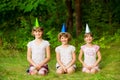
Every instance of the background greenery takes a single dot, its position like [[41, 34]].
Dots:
[[17, 17]]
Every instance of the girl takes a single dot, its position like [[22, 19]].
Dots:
[[38, 53], [65, 55], [90, 64]]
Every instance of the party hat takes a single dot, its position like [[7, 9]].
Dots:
[[87, 29], [36, 23], [63, 28]]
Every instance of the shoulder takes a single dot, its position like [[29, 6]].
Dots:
[[83, 46], [46, 42], [30, 43], [57, 49], [71, 46], [96, 47]]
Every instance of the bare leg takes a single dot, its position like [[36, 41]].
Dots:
[[33, 71], [70, 70], [93, 71], [43, 71], [86, 70], [60, 70]]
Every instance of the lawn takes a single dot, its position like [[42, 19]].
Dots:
[[13, 65]]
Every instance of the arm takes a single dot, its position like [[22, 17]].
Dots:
[[99, 58], [80, 58], [73, 60], [59, 61], [29, 59]]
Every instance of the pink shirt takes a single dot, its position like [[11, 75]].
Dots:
[[90, 54]]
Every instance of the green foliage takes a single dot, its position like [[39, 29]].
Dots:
[[106, 39], [23, 35], [52, 36], [18, 38], [18, 16]]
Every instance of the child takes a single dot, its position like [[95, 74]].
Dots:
[[38, 52], [65, 54], [90, 64]]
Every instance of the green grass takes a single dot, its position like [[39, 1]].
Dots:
[[13, 65]]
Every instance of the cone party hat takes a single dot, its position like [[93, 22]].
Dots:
[[36, 23], [63, 28], [87, 29]]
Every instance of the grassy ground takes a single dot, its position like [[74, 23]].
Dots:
[[13, 65]]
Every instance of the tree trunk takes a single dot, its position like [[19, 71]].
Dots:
[[69, 22], [109, 11], [78, 17], [0, 41]]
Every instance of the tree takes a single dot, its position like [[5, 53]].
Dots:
[[70, 15], [78, 17]]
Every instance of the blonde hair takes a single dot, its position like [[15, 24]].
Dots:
[[37, 29], [66, 34]]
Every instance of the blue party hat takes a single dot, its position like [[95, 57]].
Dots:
[[63, 28], [87, 29]]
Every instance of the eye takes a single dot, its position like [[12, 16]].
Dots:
[[35, 31], [62, 38], [39, 31]]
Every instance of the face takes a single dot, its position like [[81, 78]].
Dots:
[[88, 39], [64, 40], [38, 34]]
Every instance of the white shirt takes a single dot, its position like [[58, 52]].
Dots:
[[65, 54], [38, 50], [90, 54]]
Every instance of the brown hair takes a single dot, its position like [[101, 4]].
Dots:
[[66, 34], [87, 34], [37, 29]]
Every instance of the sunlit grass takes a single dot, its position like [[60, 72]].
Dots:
[[13, 65]]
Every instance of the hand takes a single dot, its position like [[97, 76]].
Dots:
[[88, 67], [38, 67], [65, 69], [84, 65], [94, 65]]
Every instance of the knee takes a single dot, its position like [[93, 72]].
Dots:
[[87, 71], [70, 70], [42, 72], [93, 71], [33, 72], [59, 72]]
